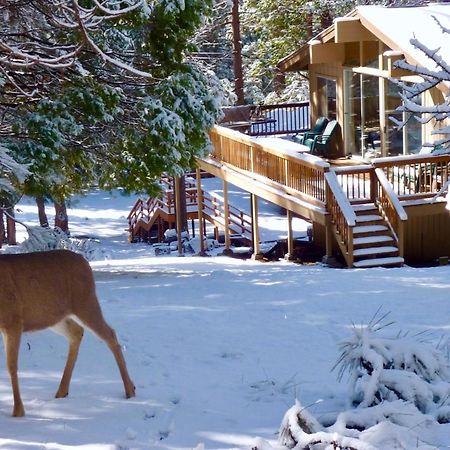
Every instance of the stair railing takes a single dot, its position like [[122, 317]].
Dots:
[[342, 216], [391, 208], [238, 222]]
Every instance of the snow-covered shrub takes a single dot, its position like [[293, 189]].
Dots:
[[45, 239], [193, 245], [390, 368], [399, 385]]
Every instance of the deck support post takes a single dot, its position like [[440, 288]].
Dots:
[[226, 212], [255, 228], [201, 234], [328, 237], [290, 238], [178, 218]]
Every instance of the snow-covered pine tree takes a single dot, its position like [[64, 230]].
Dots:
[[102, 92]]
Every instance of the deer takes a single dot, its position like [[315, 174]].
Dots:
[[56, 290]]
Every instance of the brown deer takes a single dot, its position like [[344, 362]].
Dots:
[[53, 289]]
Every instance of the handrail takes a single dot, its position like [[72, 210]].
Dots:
[[341, 199], [239, 222], [393, 199], [301, 174], [391, 208], [342, 215]]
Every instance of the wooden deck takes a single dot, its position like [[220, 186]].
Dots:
[[373, 214]]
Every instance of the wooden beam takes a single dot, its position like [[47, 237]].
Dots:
[[290, 238], [201, 236], [350, 29], [391, 58], [226, 208], [326, 53], [255, 228], [266, 190]]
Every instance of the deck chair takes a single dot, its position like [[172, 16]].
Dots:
[[318, 128], [320, 144]]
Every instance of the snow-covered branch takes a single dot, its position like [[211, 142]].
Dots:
[[432, 78]]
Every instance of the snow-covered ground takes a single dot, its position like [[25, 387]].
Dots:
[[218, 348]]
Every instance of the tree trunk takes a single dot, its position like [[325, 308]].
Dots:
[[61, 218], [2, 228], [43, 220], [11, 227], [237, 54]]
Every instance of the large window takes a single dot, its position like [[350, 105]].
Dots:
[[408, 139], [369, 130], [326, 88]]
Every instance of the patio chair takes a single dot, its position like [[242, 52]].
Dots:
[[320, 144], [318, 128]]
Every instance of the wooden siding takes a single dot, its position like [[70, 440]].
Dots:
[[427, 233]]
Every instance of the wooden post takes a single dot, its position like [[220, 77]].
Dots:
[[11, 228], [290, 238], [226, 212], [328, 237], [255, 228], [178, 217], [201, 236]]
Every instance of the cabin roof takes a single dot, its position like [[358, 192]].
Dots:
[[393, 26]]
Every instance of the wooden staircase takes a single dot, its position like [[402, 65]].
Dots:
[[373, 240], [151, 218]]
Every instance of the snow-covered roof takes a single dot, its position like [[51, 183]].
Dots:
[[397, 26], [393, 26]]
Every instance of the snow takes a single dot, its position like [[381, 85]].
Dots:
[[219, 348], [400, 25]]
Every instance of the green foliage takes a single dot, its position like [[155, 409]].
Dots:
[[126, 109], [171, 28]]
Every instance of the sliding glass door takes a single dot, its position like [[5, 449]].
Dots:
[[370, 103]]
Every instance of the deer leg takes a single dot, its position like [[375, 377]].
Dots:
[[11, 339], [74, 333], [95, 322]]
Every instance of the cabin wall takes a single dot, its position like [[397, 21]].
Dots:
[[427, 233], [433, 97]]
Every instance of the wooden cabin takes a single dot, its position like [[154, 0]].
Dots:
[[350, 67], [383, 204]]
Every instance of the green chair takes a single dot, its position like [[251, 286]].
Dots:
[[320, 144], [318, 128]]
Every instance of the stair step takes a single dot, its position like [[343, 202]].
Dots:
[[372, 239], [369, 218], [374, 250], [390, 261], [364, 208], [369, 229]]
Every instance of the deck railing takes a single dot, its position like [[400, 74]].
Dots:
[[342, 216], [356, 182], [287, 118], [213, 207], [298, 172], [415, 176]]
